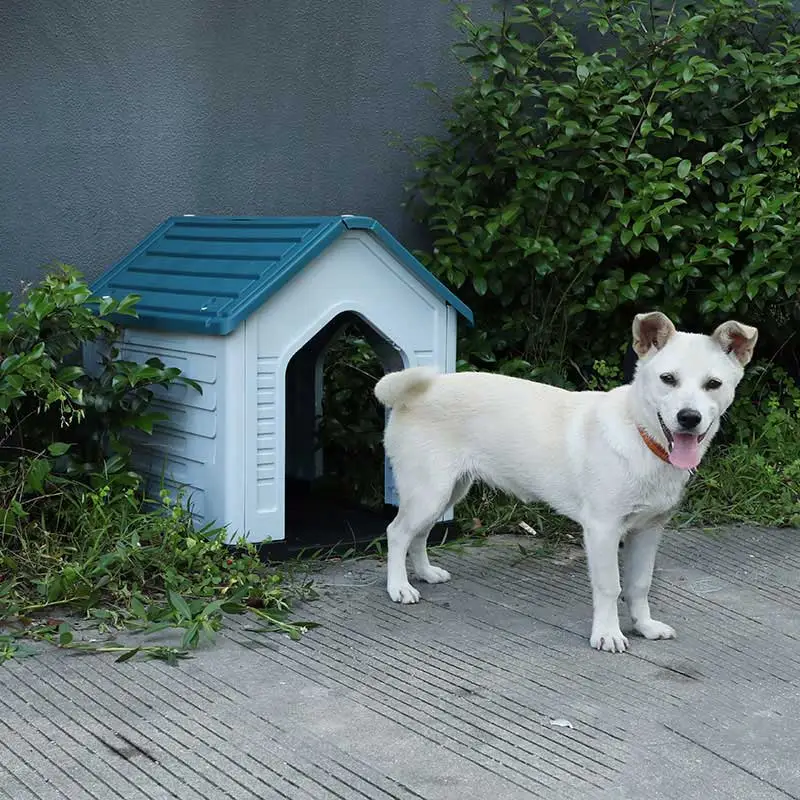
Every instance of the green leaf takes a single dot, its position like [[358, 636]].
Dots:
[[500, 62], [107, 305], [191, 635], [180, 606], [64, 635], [115, 464], [510, 214], [38, 471], [684, 168], [69, 374], [570, 92], [127, 655], [479, 282], [138, 609], [58, 448]]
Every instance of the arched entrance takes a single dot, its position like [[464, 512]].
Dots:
[[337, 481]]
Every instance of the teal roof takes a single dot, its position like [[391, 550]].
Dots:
[[208, 274]]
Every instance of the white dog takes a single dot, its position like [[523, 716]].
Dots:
[[615, 462]]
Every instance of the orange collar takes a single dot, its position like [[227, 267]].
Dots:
[[653, 446]]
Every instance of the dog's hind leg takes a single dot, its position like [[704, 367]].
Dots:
[[409, 531], [640, 558], [418, 548], [398, 537]]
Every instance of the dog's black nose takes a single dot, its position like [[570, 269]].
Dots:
[[688, 418]]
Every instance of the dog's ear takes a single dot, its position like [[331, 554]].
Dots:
[[734, 337], [651, 330]]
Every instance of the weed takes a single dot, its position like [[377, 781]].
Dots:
[[486, 511], [126, 565], [77, 532]]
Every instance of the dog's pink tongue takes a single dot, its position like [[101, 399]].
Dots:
[[685, 452]]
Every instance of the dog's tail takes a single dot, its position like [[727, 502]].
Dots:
[[397, 388]]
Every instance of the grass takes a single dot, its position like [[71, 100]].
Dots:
[[742, 486], [487, 512], [102, 556]]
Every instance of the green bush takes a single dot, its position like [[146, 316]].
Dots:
[[48, 401], [76, 530], [612, 157]]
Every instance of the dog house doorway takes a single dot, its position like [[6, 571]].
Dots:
[[336, 478]]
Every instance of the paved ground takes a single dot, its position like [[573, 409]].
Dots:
[[450, 700]]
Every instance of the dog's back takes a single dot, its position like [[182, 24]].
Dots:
[[513, 434]]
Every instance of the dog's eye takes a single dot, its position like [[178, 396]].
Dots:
[[669, 379], [712, 383]]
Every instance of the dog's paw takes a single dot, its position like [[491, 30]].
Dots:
[[611, 641], [653, 629], [403, 593], [434, 575]]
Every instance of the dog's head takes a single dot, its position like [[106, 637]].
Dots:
[[685, 382]]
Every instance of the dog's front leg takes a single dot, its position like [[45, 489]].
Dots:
[[602, 543], [640, 558]]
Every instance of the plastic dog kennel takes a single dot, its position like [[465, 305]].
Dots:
[[246, 306]]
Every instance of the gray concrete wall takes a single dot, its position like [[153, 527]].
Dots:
[[117, 113]]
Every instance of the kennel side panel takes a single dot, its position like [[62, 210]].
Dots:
[[184, 453]]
